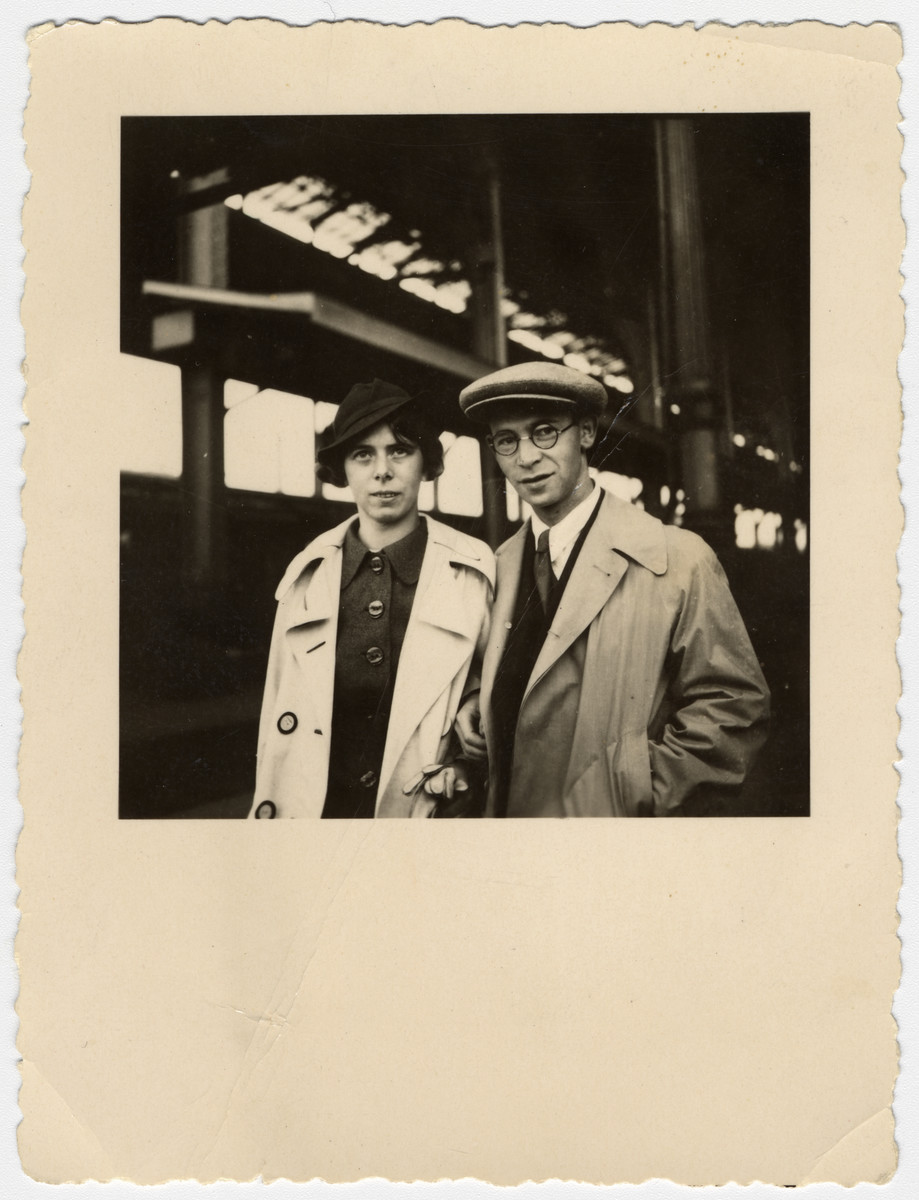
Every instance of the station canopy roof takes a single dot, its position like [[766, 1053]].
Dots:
[[386, 212]]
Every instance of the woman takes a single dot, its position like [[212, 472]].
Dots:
[[380, 626]]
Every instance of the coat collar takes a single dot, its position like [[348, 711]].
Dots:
[[462, 550], [324, 546], [404, 556], [620, 533], [633, 532], [619, 527], [436, 602]]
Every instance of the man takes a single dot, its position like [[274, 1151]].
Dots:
[[379, 623], [618, 679]]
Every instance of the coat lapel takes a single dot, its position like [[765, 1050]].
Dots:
[[317, 599], [596, 575], [309, 612], [509, 560], [441, 635], [619, 533]]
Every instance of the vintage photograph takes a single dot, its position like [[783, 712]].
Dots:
[[467, 465], [479, 424]]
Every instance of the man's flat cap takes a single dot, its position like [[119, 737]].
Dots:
[[533, 381]]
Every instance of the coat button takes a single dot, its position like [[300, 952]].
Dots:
[[376, 564], [287, 722], [375, 608], [374, 656], [266, 810], [368, 779]]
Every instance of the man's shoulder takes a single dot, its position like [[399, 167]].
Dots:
[[661, 547], [684, 547], [640, 535]]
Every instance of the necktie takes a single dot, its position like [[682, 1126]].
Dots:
[[542, 568]]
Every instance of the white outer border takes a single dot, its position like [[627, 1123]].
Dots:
[[16, 17]]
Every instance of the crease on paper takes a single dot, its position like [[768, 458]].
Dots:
[[268, 1028], [866, 1154], [76, 1141], [276, 1019]]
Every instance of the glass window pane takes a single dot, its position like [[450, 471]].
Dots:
[[459, 489], [250, 447], [513, 503], [330, 492], [626, 487], [235, 391], [269, 443], [325, 414], [151, 411], [297, 445], [427, 497], [745, 529]]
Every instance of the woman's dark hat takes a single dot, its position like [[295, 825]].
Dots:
[[365, 406], [532, 382]]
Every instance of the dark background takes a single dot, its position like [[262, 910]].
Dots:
[[584, 234]]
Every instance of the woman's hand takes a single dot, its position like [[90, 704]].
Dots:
[[448, 783], [449, 786], [461, 797]]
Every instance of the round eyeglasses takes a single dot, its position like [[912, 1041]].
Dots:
[[543, 436]]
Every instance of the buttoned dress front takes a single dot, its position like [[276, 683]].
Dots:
[[377, 593], [444, 639]]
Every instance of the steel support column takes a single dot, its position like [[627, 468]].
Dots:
[[202, 475], [685, 326], [202, 236], [489, 340]]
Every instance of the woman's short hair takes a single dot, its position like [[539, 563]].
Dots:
[[409, 427]]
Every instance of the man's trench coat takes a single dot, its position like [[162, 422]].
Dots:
[[647, 693], [443, 645]]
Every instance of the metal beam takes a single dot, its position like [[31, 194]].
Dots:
[[334, 316]]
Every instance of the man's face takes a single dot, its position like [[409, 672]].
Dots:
[[550, 478], [384, 476]]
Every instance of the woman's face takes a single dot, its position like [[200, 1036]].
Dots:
[[384, 476]]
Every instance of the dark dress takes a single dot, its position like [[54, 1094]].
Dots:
[[377, 591]]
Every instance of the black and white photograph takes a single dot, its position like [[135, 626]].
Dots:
[[384, 370], [464, 425]]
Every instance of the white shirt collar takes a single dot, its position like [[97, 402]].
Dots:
[[563, 535]]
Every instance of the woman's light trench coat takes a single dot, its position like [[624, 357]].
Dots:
[[444, 640]]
